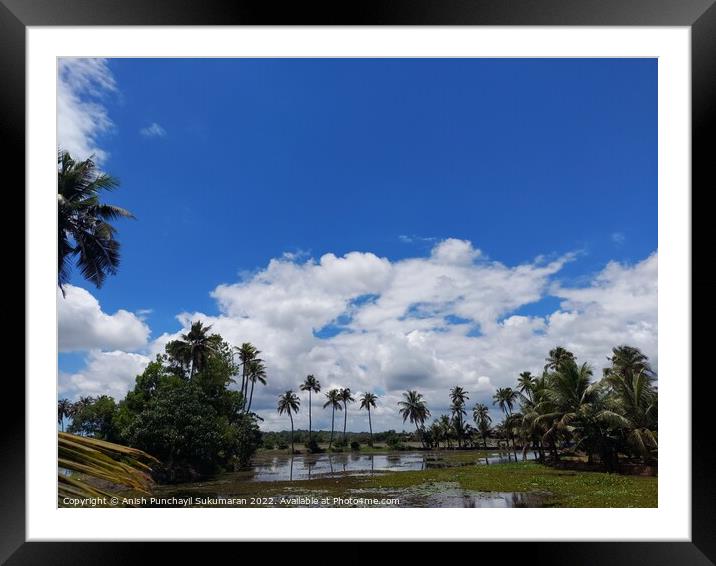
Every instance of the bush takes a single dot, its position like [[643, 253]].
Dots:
[[281, 445], [313, 447], [394, 443], [355, 446], [268, 443]]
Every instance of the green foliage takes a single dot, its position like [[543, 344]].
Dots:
[[615, 416], [355, 446], [181, 411], [96, 418], [394, 441], [85, 235]]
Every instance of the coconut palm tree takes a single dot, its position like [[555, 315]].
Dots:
[[247, 354], [289, 403], [256, 372], [310, 384], [194, 348], [367, 400], [346, 397], [505, 397], [557, 357], [630, 380], [458, 397], [64, 410], [526, 384], [85, 234], [568, 393], [629, 361], [481, 416], [446, 429], [415, 409], [334, 401]]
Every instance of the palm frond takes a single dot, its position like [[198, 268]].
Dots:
[[106, 461]]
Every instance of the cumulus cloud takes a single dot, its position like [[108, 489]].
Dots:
[[153, 130], [427, 323], [82, 325], [82, 87], [105, 373]]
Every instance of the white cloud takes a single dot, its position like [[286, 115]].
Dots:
[[82, 85], [427, 323], [82, 325], [105, 373], [153, 130]]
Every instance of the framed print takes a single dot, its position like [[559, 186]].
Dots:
[[408, 272]]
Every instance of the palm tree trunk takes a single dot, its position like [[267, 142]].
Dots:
[[251, 397], [333, 419], [291, 417], [370, 427], [309, 415], [243, 381], [345, 420], [246, 388]]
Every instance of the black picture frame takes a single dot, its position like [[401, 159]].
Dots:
[[699, 15]]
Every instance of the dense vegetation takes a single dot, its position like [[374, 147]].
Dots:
[[181, 409], [564, 410]]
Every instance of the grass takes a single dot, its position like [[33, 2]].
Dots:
[[566, 488]]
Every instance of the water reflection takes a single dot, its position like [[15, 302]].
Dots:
[[461, 498], [267, 467]]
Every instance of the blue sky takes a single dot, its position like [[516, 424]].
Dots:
[[230, 163]]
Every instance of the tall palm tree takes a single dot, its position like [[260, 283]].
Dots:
[[64, 410], [630, 380], [256, 372], [334, 401], [289, 403], [415, 409], [83, 221], [195, 347], [367, 400], [557, 357], [346, 397], [481, 416], [311, 384], [458, 397], [629, 361], [446, 429], [526, 384], [505, 397], [569, 394], [247, 354]]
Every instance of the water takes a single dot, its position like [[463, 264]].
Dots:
[[457, 497], [267, 467], [261, 480]]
